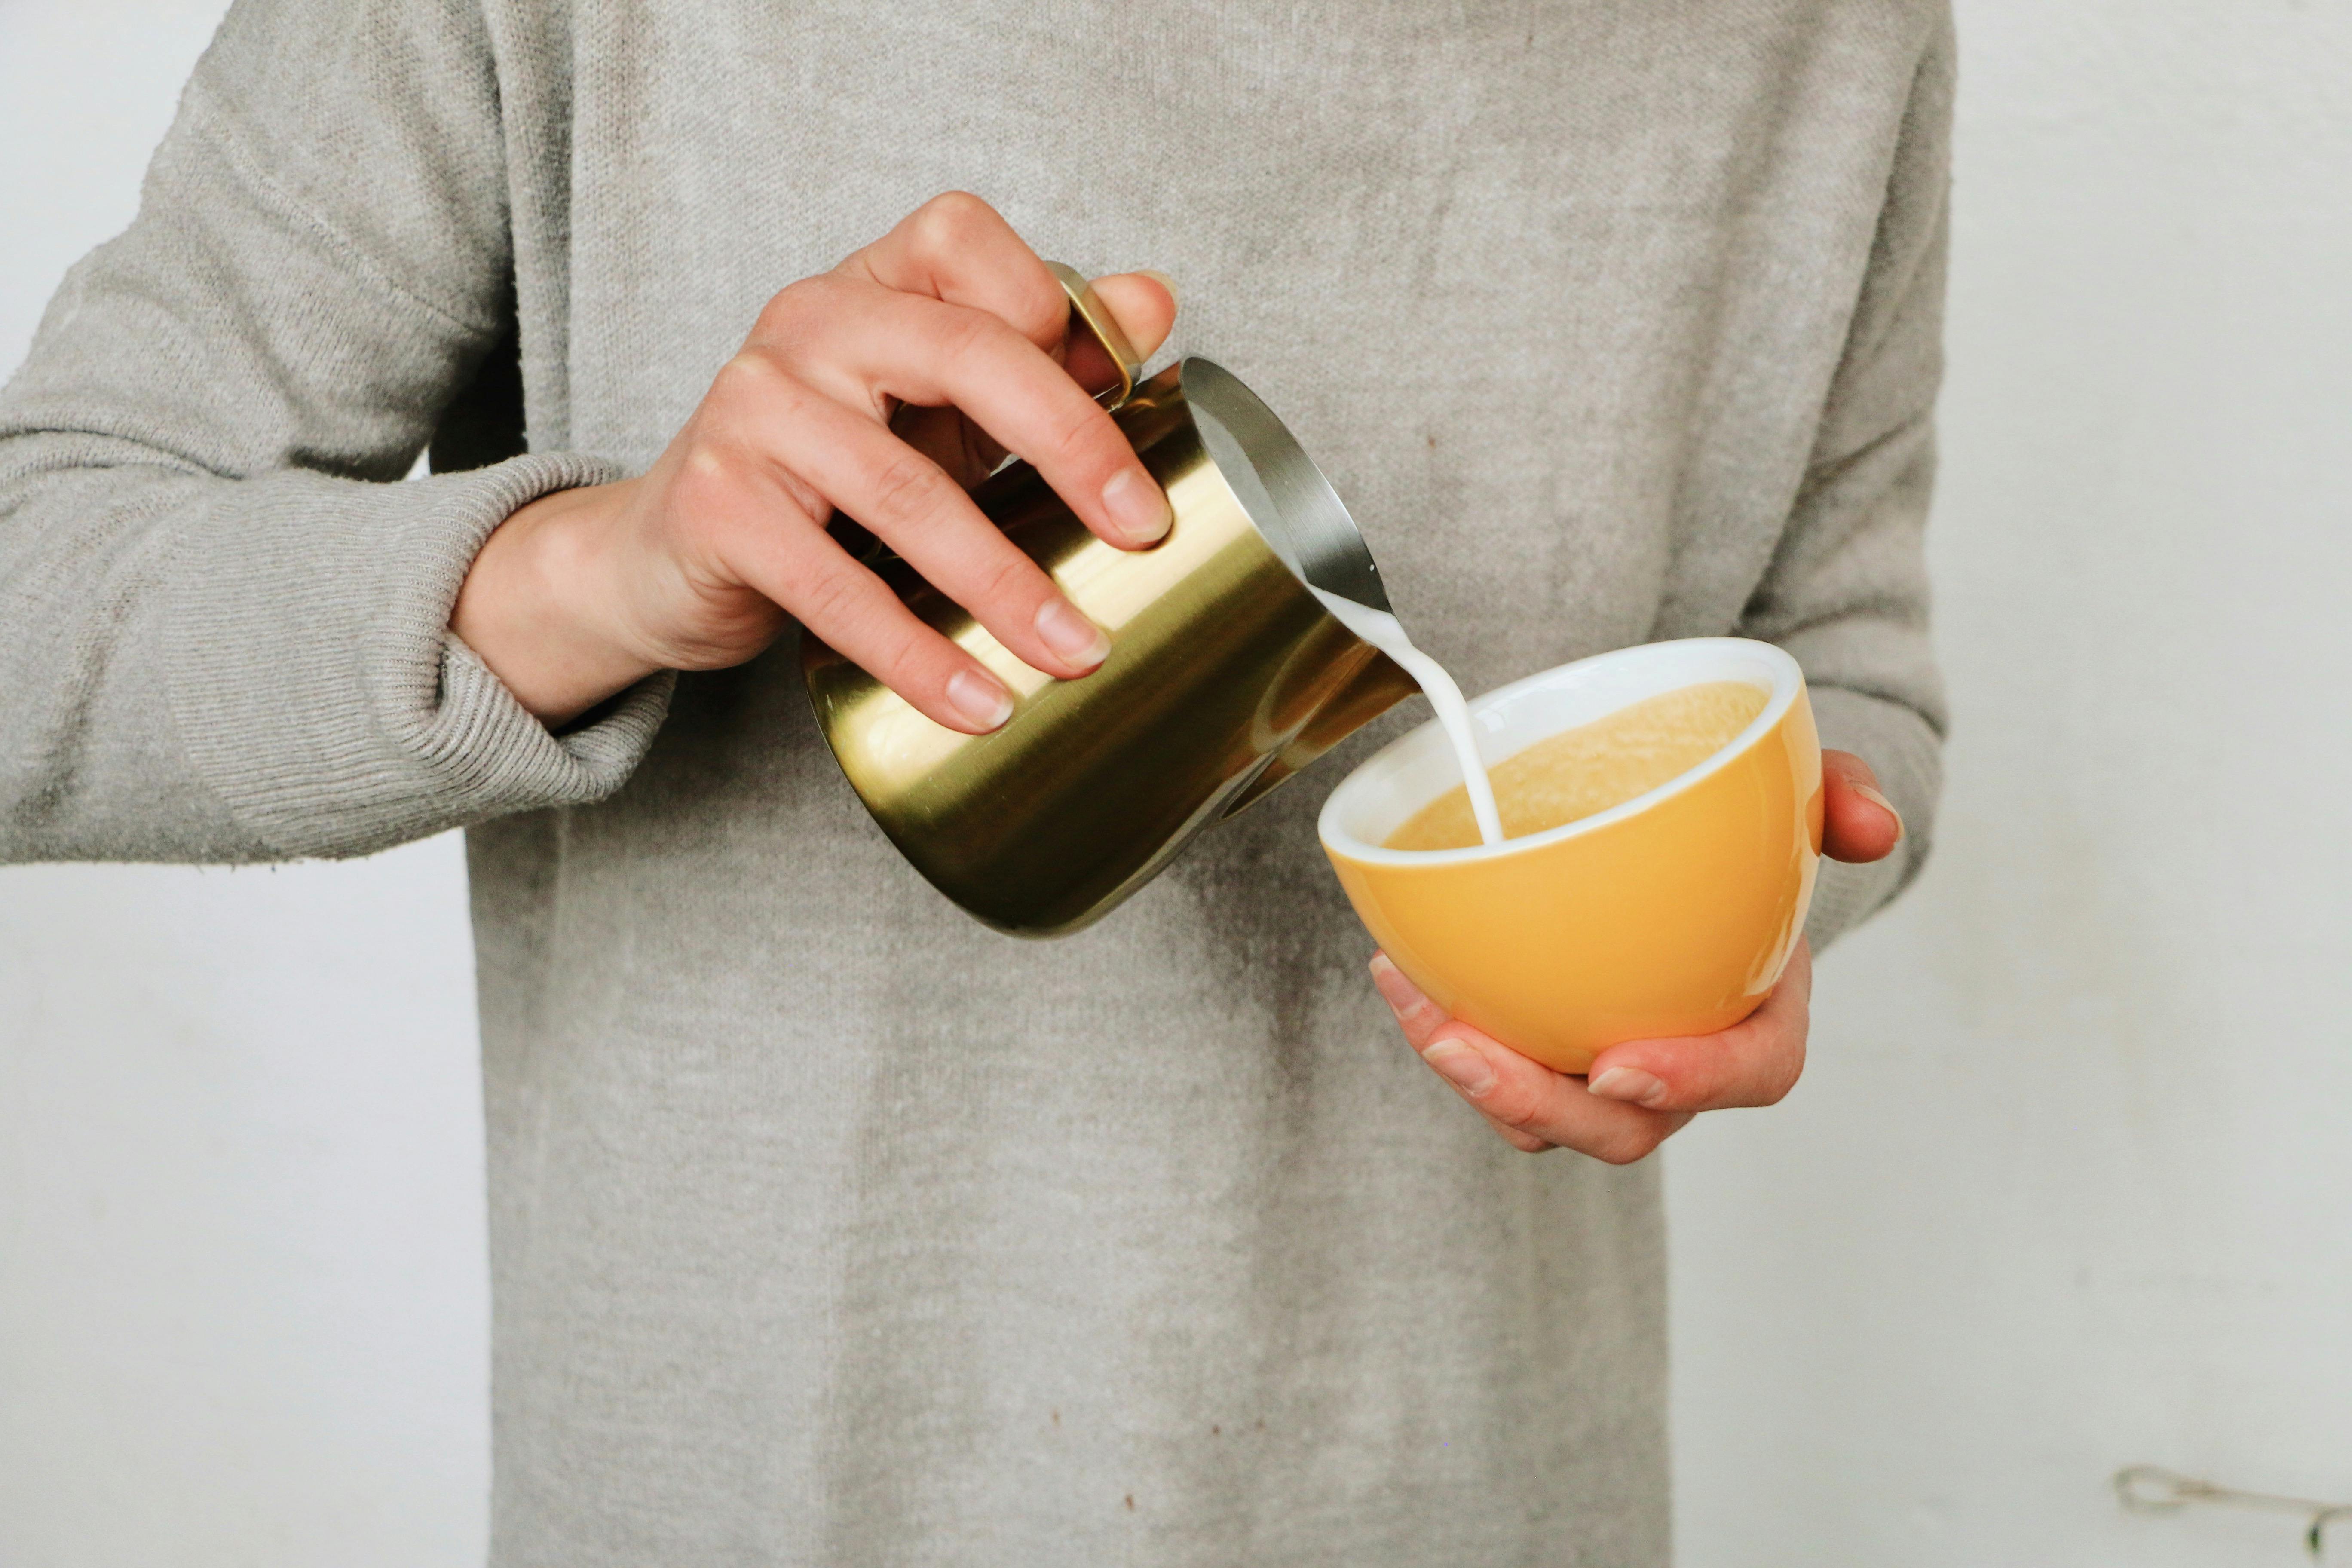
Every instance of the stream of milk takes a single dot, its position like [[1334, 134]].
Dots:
[[1386, 633]]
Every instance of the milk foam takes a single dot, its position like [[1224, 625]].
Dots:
[[1591, 767]]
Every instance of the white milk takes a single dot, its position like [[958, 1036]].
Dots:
[[1386, 633]]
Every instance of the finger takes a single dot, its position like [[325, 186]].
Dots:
[[928, 518], [878, 343], [1529, 1105], [948, 439], [1755, 1062], [1528, 1102], [908, 501], [759, 519], [1416, 1015], [956, 248], [1144, 304], [1858, 822], [1525, 1142]]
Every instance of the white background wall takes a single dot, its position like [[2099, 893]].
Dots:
[[2069, 1181]]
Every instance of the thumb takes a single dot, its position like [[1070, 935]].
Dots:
[[1858, 822], [1144, 304]]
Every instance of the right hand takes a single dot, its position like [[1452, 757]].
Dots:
[[1638, 1093], [698, 563]]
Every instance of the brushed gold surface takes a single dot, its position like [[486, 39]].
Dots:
[[1225, 676]]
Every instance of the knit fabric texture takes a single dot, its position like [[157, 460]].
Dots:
[[829, 1227]]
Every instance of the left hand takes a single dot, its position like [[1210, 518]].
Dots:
[[1638, 1094]]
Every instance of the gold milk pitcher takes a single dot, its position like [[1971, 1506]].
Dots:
[[1225, 676]]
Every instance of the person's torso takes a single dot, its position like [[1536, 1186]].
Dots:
[[832, 1227]]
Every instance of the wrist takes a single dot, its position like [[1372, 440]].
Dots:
[[534, 607]]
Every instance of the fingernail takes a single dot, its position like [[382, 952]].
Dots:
[[978, 699], [1631, 1085], [1062, 628], [1175, 294], [1138, 506], [1871, 795], [1390, 981], [1461, 1066]]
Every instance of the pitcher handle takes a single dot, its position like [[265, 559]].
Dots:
[[1099, 358]]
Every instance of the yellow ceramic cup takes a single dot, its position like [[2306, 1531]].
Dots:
[[1670, 914]]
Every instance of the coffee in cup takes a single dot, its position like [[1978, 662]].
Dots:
[[1581, 771], [1668, 911]]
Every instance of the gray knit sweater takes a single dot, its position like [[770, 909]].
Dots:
[[828, 1226]]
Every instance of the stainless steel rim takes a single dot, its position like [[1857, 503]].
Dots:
[[1286, 495]]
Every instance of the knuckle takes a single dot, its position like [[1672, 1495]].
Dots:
[[965, 335], [795, 325], [753, 374], [781, 310], [1511, 1107], [950, 219], [712, 473], [907, 489], [898, 653], [1086, 440], [831, 603], [1627, 1146], [786, 315], [1005, 576]]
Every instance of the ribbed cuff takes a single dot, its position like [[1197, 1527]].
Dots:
[[1909, 759], [318, 688]]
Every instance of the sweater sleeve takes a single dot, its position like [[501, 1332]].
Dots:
[[1847, 590], [222, 623]]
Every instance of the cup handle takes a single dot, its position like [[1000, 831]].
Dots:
[[1099, 358]]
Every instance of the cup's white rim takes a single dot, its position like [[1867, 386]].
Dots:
[[1788, 681]]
